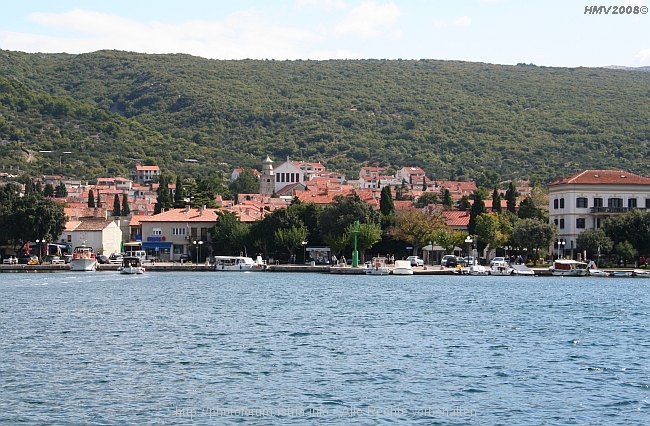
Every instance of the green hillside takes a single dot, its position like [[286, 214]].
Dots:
[[454, 119]]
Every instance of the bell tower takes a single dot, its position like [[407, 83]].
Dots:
[[267, 179]]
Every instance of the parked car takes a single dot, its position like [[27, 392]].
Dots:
[[28, 260], [415, 261], [67, 258], [115, 258], [497, 259], [184, 258], [449, 261], [103, 259], [466, 261]]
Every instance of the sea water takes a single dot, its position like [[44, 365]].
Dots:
[[300, 348]]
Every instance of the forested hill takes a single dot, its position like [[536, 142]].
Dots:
[[454, 119]]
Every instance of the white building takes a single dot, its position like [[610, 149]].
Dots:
[[288, 173], [103, 235], [583, 201]]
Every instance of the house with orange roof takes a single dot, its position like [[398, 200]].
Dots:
[[584, 200], [103, 235], [410, 175], [171, 233], [145, 174]]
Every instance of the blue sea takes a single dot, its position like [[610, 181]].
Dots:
[[301, 348]]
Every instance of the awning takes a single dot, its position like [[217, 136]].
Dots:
[[157, 245]]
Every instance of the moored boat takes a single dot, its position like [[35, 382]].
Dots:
[[377, 267], [569, 268], [238, 264], [501, 267], [403, 267], [131, 265], [83, 259]]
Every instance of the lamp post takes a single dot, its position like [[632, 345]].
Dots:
[[40, 249], [469, 242], [304, 252], [197, 247], [560, 248]]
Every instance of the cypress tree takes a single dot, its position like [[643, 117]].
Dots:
[[91, 199], [117, 209], [126, 210], [496, 201]]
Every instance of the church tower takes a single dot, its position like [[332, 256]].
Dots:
[[267, 179]]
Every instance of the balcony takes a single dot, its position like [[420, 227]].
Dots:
[[613, 210]]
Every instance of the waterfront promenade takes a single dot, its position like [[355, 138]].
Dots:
[[201, 267]]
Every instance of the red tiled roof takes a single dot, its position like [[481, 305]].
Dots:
[[147, 168], [603, 177], [456, 218], [183, 215]]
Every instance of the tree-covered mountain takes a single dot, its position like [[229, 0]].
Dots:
[[454, 119]]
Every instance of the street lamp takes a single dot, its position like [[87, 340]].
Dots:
[[304, 251], [560, 248], [469, 242], [40, 249], [197, 246]]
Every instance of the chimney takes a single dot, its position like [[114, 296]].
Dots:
[[187, 208], [202, 210]]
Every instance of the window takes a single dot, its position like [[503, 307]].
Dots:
[[598, 202], [156, 231], [555, 203], [615, 202], [555, 222], [561, 203], [581, 202], [561, 223], [631, 203], [178, 231], [597, 223], [580, 223]]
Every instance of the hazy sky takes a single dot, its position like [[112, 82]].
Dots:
[[543, 32]]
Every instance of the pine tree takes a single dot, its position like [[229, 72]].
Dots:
[[126, 210], [61, 190], [91, 199], [48, 190], [117, 209], [98, 202]]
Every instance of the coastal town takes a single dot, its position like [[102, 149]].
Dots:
[[182, 234]]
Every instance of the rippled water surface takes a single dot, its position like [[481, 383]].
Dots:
[[315, 348]]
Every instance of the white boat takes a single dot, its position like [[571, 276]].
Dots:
[[477, 270], [598, 273], [131, 265], [501, 267], [568, 268], [83, 259], [377, 267], [522, 270], [238, 263], [641, 273], [403, 267], [620, 274]]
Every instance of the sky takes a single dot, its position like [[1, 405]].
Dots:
[[556, 33]]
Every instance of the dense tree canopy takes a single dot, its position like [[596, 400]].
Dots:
[[196, 116]]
